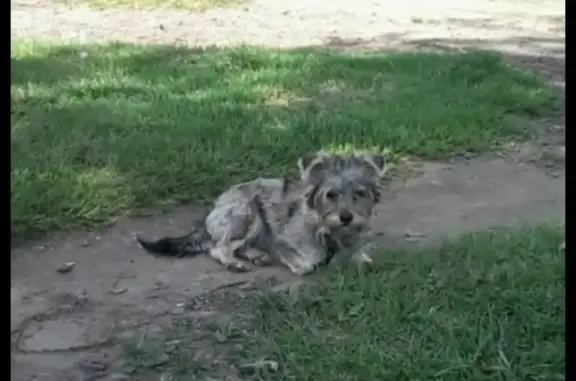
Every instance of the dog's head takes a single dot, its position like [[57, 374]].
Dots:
[[343, 189]]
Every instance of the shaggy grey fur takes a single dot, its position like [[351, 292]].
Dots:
[[301, 223]]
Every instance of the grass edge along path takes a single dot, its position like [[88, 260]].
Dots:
[[484, 306], [101, 130]]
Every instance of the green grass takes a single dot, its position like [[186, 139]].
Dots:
[[101, 130], [146, 5], [486, 306]]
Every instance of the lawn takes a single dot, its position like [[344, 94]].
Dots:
[[102, 130], [488, 306]]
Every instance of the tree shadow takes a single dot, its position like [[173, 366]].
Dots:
[[100, 130], [544, 55]]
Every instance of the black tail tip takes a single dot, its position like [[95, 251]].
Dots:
[[151, 246]]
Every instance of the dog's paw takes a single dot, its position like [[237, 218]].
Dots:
[[237, 267], [263, 261], [362, 260], [304, 270]]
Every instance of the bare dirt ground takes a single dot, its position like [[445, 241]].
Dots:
[[66, 326]]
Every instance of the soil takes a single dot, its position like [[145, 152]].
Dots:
[[67, 318]]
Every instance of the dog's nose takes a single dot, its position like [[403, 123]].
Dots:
[[346, 217]]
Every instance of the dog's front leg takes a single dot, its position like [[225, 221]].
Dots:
[[300, 259], [356, 251]]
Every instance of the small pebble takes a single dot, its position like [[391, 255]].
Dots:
[[410, 234], [179, 309], [118, 291], [65, 267]]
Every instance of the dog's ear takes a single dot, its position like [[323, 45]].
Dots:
[[376, 164], [312, 167], [311, 194]]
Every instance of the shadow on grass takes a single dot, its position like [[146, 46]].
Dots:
[[543, 55], [101, 130]]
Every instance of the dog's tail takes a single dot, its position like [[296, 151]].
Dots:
[[192, 244]]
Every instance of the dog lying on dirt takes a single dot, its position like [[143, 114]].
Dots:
[[301, 223]]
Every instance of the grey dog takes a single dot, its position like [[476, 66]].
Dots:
[[301, 223]]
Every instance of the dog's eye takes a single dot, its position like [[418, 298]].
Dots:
[[360, 194], [331, 195]]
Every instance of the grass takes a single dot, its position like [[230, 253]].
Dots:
[[486, 306], [147, 5], [101, 130]]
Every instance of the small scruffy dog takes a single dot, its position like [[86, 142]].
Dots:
[[301, 223]]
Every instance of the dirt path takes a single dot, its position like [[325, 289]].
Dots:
[[65, 326]]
